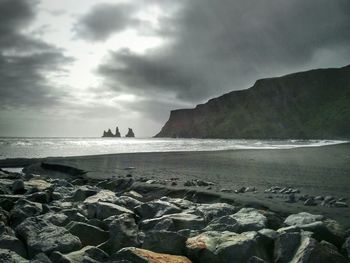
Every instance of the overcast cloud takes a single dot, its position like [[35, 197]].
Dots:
[[134, 61]]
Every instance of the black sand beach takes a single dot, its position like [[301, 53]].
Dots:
[[315, 171]]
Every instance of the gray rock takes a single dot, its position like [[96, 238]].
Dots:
[[116, 185], [8, 256], [88, 234], [165, 242], [88, 254], [215, 210], [41, 258], [24, 209], [286, 244], [302, 219], [346, 247], [82, 193], [128, 202], [179, 202], [156, 208], [18, 187], [39, 197], [102, 196], [42, 236], [340, 204], [179, 221], [225, 223], [123, 232], [250, 219], [58, 219], [14, 244], [224, 246], [104, 210], [310, 202]]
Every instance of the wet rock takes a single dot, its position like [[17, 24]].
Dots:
[[18, 187], [88, 254], [88, 234], [8, 256], [123, 232], [250, 219], [24, 209], [224, 246], [156, 208], [14, 244], [137, 255], [42, 236], [165, 242], [215, 210]]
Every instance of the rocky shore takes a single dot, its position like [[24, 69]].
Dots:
[[135, 219]]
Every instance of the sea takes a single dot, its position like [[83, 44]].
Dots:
[[11, 147]]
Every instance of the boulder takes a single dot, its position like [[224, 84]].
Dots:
[[42, 236], [18, 187], [88, 234], [14, 244], [116, 185], [123, 232], [8, 256], [137, 255], [225, 223], [82, 193], [286, 245], [128, 202], [58, 219], [250, 219], [165, 242], [302, 219], [88, 254], [215, 210], [24, 209], [103, 196], [177, 221], [104, 210], [220, 247], [39, 197], [156, 208]]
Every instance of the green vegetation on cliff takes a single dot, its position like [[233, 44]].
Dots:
[[313, 104]]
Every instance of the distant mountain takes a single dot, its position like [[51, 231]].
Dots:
[[312, 104]]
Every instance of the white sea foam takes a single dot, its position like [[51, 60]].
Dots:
[[44, 147]]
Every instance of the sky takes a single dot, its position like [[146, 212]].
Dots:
[[76, 68]]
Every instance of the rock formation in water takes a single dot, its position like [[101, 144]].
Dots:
[[130, 133], [109, 133], [312, 104]]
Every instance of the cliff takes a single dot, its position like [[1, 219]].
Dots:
[[109, 133], [311, 104], [130, 134]]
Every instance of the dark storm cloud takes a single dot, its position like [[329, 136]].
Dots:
[[218, 47], [25, 61], [105, 19]]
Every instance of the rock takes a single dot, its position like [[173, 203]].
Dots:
[[104, 210], [179, 202], [255, 259], [128, 202], [310, 202], [88, 254], [103, 196], [165, 242], [130, 133], [41, 258], [7, 202], [137, 255], [82, 193], [302, 219], [346, 247], [340, 204], [216, 247], [74, 215], [58, 219], [225, 223], [14, 244], [178, 221], [215, 210], [39, 197], [250, 219], [18, 187], [116, 185], [8, 256], [123, 232], [156, 208], [286, 245], [42, 236], [24, 209], [88, 234]]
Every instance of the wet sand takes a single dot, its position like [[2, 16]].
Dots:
[[315, 171]]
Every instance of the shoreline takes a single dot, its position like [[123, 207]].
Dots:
[[314, 171]]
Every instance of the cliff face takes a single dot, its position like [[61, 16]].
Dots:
[[312, 104]]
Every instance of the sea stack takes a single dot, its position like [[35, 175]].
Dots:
[[109, 133], [130, 133]]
